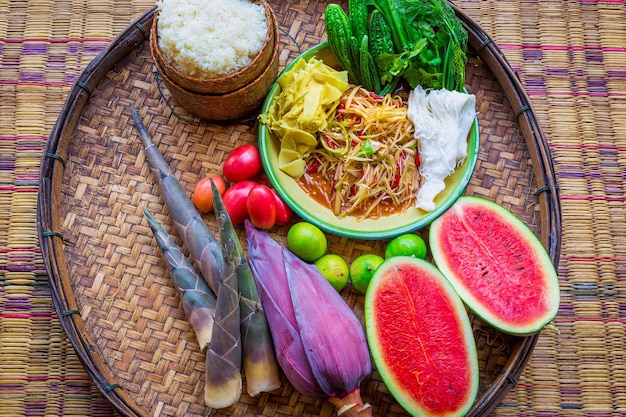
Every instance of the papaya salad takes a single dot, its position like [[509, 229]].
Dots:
[[365, 155], [367, 163], [379, 132]]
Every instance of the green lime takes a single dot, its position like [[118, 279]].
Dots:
[[335, 270], [362, 269], [408, 244], [306, 241]]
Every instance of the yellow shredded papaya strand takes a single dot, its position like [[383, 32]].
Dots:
[[369, 172]]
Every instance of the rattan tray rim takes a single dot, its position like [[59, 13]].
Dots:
[[137, 33]]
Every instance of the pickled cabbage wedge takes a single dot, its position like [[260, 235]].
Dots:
[[310, 93]]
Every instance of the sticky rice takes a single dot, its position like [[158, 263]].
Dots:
[[210, 38]]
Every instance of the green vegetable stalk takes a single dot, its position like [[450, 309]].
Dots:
[[223, 358], [259, 360], [421, 41], [199, 240], [429, 41], [197, 299], [393, 11]]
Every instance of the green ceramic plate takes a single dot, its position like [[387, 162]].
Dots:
[[308, 209]]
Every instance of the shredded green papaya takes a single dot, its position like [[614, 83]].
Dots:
[[376, 169]]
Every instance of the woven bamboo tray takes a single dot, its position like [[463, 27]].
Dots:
[[110, 287]]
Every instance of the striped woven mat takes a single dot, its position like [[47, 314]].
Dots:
[[570, 55]]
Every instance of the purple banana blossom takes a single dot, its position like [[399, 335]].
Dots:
[[267, 264], [320, 343]]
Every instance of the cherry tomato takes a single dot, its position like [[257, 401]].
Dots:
[[243, 163], [203, 193], [283, 211], [235, 200], [261, 205]]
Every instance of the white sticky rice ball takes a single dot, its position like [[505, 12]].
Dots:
[[210, 38]]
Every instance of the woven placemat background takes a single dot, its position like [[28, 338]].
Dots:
[[571, 56]]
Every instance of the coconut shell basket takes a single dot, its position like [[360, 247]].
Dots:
[[110, 287]]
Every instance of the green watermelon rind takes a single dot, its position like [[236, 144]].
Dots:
[[550, 279], [404, 398]]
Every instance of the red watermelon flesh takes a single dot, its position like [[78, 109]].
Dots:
[[421, 339], [496, 264]]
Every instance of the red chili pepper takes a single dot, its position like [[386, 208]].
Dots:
[[376, 97], [313, 167], [400, 165], [329, 143], [417, 159], [396, 181]]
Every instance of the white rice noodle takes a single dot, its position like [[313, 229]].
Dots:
[[442, 121]]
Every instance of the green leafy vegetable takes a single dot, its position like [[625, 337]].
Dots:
[[429, 41]]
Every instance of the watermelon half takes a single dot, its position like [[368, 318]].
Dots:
[[496, 264], [420, 338]]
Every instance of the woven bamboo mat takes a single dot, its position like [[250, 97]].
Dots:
[[571, 56]]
